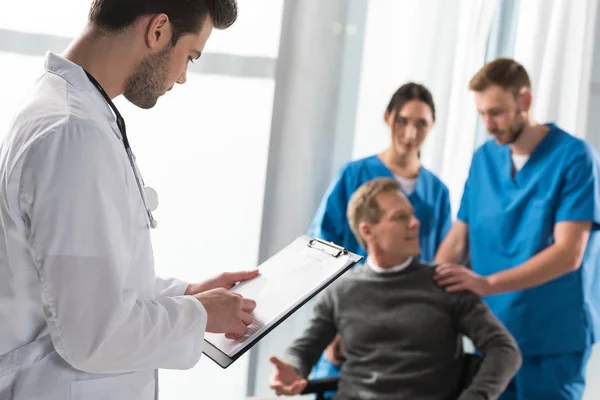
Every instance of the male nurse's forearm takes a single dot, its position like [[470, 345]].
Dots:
[[564, 256], [552, 263]]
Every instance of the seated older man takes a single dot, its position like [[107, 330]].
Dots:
[[400, 331]]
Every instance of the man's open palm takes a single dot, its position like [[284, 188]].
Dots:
[[286, 380]]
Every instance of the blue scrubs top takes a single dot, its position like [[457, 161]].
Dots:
[[512, 219], [431, 201]]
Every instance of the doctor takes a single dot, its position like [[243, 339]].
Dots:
[[82, 315], [530, 215]]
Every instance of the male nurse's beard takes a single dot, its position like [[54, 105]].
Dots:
[[147, 83], [517, 133]]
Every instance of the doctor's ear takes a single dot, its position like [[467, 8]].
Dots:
[[158, 31]]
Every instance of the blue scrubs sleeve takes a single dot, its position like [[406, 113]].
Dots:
[[580, 197], [330, 218], [463, 211]]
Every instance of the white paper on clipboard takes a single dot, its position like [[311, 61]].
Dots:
[[288, 279]]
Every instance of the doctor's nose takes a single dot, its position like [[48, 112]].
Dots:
[[182, 78]]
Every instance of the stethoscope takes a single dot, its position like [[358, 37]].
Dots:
[[149, 195]]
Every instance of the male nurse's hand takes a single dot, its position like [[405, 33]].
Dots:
[[226, 280], [227, 312], [286, 380], [456, 278]]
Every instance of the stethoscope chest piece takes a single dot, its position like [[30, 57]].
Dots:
[[151, 198]]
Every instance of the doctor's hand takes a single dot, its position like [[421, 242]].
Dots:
[[226, 280], [286, 380], [227, 312], [456, 278]]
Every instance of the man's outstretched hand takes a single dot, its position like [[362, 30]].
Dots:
[[286, 380]]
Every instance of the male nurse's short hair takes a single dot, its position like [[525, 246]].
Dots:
[[363, 204], [503, 72], [186, 16]]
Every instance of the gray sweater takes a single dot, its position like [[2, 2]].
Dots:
[[401, 337]]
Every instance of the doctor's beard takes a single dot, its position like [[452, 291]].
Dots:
[[147, 83]]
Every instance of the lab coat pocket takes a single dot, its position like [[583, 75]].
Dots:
[[132, 386]]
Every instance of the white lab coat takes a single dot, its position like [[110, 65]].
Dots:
[[82, 315]]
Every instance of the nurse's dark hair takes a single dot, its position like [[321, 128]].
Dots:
[[186, 16], [363, 205], [503, 72], [409, 92]]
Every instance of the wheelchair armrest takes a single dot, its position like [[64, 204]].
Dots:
[[321, 386]]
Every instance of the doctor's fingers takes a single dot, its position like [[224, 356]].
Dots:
[[248, 305], [240, 330], [246, 318], [240, 276], [236, 332]]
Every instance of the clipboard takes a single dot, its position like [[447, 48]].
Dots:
[[287, 281]]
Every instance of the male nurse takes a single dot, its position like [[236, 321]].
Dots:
[[529, 217]]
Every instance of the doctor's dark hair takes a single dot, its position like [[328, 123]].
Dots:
[[363, 204], [186, 16], [409, 92], [503, 72]]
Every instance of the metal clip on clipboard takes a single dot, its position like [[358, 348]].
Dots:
[[328, 247]]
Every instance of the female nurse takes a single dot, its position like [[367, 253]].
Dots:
[[410, 116]]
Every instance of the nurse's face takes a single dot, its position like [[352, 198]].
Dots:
[[502, 113], [409, 126], [396, 235], [158, 72]]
